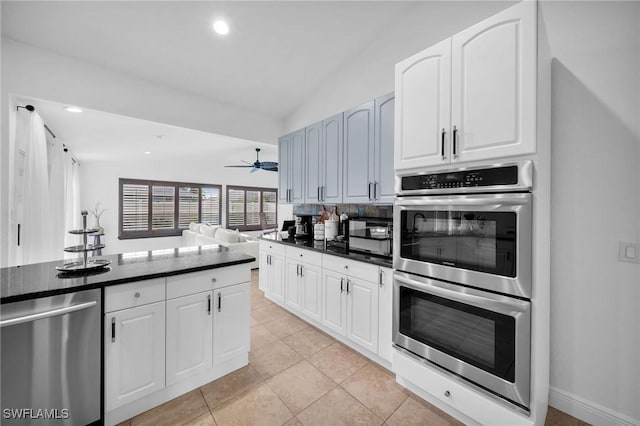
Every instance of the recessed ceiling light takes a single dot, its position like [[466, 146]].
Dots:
[[147, 152], [73, 109], [221, 27]]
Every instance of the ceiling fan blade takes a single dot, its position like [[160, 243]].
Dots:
[[241, 166], [255, 169], [246, 162], [268, 164]]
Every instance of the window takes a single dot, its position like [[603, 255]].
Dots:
[[157, 208], [251, 208]]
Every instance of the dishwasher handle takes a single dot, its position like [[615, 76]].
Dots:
[[47, 314]]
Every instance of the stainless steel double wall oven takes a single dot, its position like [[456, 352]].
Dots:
[[463, 280]]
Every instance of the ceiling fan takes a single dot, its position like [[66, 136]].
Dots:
[[270, 166]]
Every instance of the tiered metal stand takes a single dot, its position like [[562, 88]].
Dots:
[[85, 264]]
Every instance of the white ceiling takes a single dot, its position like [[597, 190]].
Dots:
[[276, 54], [100, 136]]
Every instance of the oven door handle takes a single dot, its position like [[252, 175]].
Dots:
[[496, 303], [509, 199]]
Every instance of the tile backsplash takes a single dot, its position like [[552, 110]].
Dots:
[[352, 210]]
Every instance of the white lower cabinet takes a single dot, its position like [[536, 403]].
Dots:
[[292, 285], [189, 336], [334, 305], [134, 353], [362, 313], [349, 298], [350, 303], [231, 322], [165, 337], [310, 297], [272, 270], [302, 293]]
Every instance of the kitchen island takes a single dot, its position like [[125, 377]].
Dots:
[[158, 324]]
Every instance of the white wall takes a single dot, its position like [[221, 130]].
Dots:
[[100, 183], [595, 319], [371, 73]]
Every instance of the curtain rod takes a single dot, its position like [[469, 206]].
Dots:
[[31, 108]]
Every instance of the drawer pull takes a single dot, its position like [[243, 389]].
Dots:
[[137, 295], [346, 266], [447, 394], [213, 280]]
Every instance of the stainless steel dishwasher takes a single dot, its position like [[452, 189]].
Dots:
[[50, 364]]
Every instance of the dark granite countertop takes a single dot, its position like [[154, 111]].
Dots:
[[42, 279], [335, 250]]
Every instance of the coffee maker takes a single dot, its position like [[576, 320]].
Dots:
[[304, 227]]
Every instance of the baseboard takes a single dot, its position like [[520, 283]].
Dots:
[[586, 410]]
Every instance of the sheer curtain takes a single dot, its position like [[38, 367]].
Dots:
[[47, 193], [35, 225]]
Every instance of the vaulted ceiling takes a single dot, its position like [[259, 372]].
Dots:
[[275, 54]]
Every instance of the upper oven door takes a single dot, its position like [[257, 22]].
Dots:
[[481, 240]]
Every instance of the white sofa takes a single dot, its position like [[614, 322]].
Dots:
[[200, 234]]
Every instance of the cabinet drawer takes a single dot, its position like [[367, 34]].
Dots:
[[302, 255], [196, 282], [354, 268], [135, 294], [272, 247]]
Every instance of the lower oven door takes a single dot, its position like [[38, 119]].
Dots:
[[483, 337]]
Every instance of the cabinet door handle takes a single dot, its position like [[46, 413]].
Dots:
[[342, 285], [380, 276], [113, 329], [319, 199], [375, 190], [209, 304], [455, 142], [444, 156], [19, 227], [219, 301], [301, 271], [348, 282], [369, 190]]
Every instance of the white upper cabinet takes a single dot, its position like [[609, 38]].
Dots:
[[331, 158], [423, 108], [493, 104], [323, 157], [291, 167], [314, 163], [283, 168], [358, 154], [383, 181], [471, 97]]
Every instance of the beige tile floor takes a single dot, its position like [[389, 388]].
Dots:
[[298, 375]]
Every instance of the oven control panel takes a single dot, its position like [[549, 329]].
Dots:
[[506, 176]]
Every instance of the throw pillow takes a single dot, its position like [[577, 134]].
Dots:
[[209, 231], [226, 236], [195, 227]]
